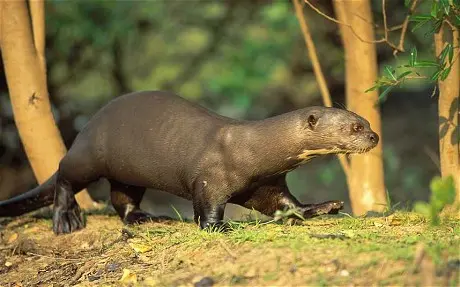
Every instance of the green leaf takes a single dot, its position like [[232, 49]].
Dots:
[[385, 92], [442, 190], [451, 53], [420, 24], [444, 52], [406, 3], [457, 20], [445, 4], [443, 130], [390, 72], [413, 56], [422, 208], [404, 75], [372, 89], [434, 9], [445, 73], [435, 75], [425, 64], [420, 17]]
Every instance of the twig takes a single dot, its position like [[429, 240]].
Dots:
[[385, 39], [404, 28], [394, 28], [385, 27], [80, 272], [317, 70], [55, 258], [344, 24]]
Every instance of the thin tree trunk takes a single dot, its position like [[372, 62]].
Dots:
[[367, 189], [325, 94], [26, 77], [448, 108]]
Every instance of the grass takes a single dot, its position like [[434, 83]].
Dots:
[[399, 249]]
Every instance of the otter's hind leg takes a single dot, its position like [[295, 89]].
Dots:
[[74, 174], [126, 200], [275, 195]]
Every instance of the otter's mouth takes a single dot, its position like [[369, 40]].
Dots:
[[306, 155], [353, 151]]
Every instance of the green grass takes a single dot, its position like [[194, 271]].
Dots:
[[330, 250], [361, 244]]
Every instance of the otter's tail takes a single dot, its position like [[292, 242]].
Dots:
[[41, 196]]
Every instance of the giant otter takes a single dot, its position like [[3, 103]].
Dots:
[[156, 139]]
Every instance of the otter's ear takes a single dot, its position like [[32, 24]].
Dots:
[[312, 120]]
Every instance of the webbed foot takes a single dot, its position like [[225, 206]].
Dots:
[[67, 221], [328, 207], [138, 216]]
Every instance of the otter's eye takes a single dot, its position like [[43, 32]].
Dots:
[[312, 121], [358, 127]]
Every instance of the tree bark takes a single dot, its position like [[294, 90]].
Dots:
[[448, 110], [25, 70], [367, 189]]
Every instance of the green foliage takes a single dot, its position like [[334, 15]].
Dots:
[[440, 12], [442, 194]]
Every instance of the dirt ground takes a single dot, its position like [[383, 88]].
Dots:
[[400, 249]]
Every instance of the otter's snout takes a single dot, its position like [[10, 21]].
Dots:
[[374, 138]]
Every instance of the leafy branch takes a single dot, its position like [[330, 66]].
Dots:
[[441, 12]]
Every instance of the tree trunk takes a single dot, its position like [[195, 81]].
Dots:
[[448, 110], [25, 69], [367, 189]]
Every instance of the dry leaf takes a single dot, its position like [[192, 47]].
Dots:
[[393, 220], [32, 229], [128, 276], [8, 264], [140, 247], [12, 238], [378, 224]]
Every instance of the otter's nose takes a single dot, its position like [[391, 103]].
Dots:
[[374, 138]]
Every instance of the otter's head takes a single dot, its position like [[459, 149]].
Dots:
[[331, 130]]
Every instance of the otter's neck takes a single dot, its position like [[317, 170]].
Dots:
[[272, 146]]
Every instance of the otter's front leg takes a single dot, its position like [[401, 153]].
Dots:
[[275, 195], [209, 200]]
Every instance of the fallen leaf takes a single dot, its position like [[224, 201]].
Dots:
[[140, 247], [8, 264], [12, 238], [32, 229], [128, 276], [378, 224], [394, 221]]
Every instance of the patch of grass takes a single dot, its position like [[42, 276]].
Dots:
[[340, 250]]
